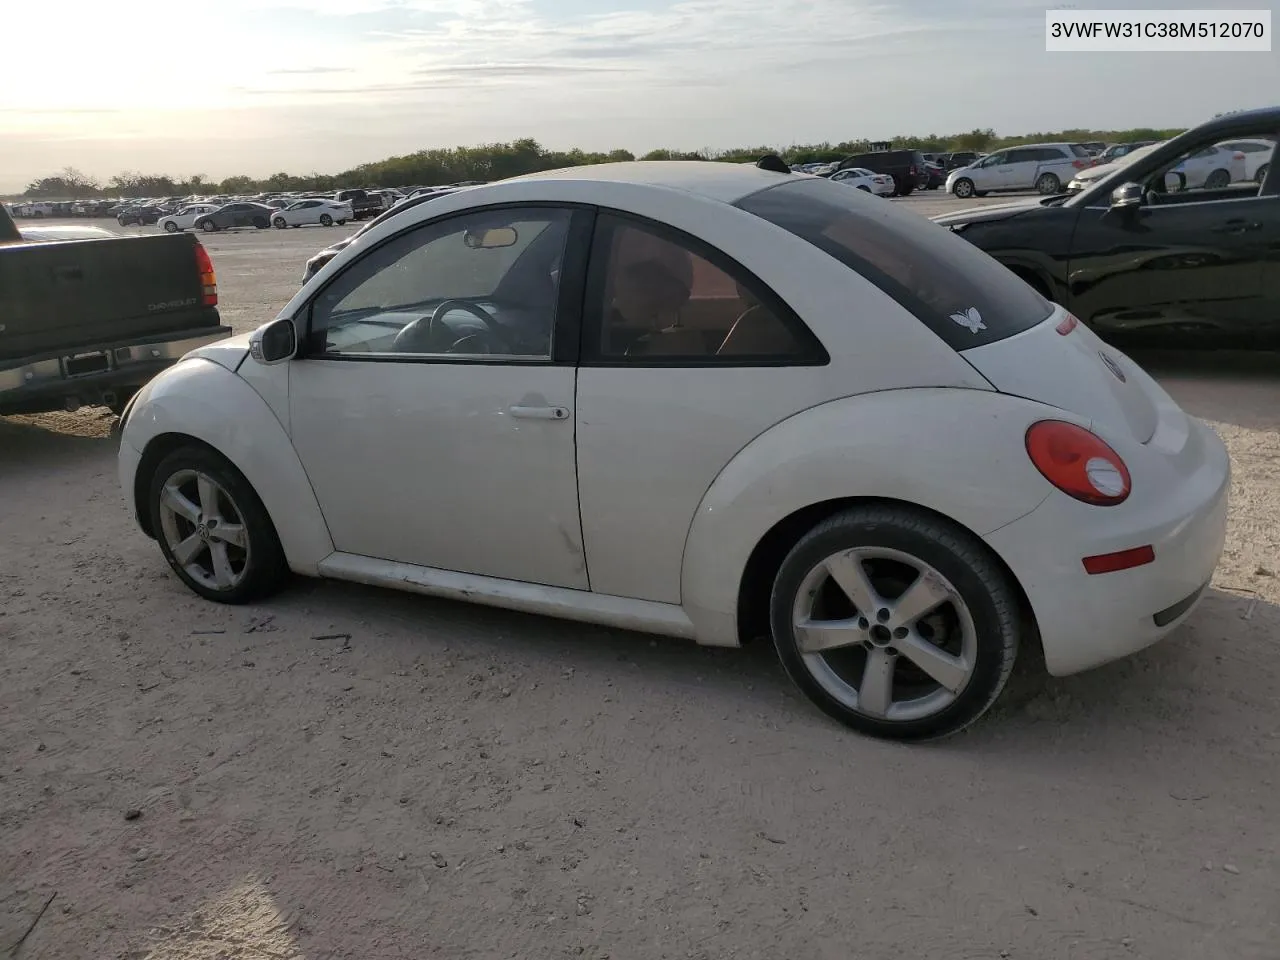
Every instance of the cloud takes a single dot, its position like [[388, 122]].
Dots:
[[408, 74], [307, 71]]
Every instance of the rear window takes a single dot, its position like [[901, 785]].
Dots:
[[1079, 150], [956, 290]]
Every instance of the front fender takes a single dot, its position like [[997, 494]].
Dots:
[[958, 452], [204, 400]]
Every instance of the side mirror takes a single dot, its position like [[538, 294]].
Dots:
[[274, 343], [1175, 182], [1127, 196]]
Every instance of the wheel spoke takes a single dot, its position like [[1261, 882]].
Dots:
[[848, 573], [222, 573], [950, 672], [232, 533], [925, 594], [187, 551], [875, 693], [818, 636], [208, 497], [171, 498]]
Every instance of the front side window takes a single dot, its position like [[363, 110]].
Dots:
[[994, 160], [964, 296], [481, 285], [656, 296]]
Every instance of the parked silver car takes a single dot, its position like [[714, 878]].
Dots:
[[1045, 167]]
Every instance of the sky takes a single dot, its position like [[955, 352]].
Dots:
[[261, 86]]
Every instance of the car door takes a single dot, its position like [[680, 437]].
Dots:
[[1019, 169], [433, 402], [1188, 263], [992, 172], [686, 358]]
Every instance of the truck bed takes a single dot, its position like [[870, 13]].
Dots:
[[59, 296]]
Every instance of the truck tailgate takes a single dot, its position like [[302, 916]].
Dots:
[[61, 294]]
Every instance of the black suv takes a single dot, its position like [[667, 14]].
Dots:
[[907, 167]]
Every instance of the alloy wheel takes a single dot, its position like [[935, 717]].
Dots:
[[884, 634], [204, 530]]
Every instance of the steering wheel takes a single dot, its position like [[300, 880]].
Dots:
[[416, 336]]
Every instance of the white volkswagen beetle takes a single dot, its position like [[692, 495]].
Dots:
[[703, 400]]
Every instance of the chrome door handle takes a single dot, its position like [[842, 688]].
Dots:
[[539, 413]]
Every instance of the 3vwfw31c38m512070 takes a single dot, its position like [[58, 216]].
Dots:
[[704, 400]]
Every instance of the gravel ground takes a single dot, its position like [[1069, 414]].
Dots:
[[350, 773]]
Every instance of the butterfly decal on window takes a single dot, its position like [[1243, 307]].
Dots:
[[971, 320]]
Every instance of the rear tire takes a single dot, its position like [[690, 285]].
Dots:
[[1049, 184], [213, 529], [1261, 176], [836, 648], [963, 188], [261, 223], [326, 220], [208, 226]]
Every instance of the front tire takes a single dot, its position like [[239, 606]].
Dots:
[[963, 188], [1218, 180], [1049, 184], [213, 528], [895, 622], [280, 223], [170, 227]]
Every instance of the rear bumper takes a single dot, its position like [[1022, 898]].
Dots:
[[48, 382], [1088, 620]]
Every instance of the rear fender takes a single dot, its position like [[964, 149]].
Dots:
[[960, 453], [202, 399]]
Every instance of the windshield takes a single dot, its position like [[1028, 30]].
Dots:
[[956, 290]]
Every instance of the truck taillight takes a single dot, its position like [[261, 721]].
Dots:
[[208, 279]]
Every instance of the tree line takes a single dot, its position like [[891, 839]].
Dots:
[[496, 161]]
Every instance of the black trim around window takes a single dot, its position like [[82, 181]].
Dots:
[[810, 351], [566, 335]]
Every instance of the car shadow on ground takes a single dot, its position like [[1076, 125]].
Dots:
[[1196, 380], [1194, 677], [32, 444]]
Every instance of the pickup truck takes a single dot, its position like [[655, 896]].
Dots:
[[363, 204], [88, 319]]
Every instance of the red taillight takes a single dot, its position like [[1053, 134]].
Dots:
[[1237, 156], [1078, 463], [1120, 560], [1080, 164], [208, 279], [1067, 325]]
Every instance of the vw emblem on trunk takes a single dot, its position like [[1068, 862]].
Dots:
[[1112, 366]]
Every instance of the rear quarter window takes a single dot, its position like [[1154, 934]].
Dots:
[[961, 294]]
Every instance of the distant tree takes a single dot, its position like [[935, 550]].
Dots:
[[239, 184]]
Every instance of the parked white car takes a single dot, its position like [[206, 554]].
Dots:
[[860, 178], [704, 400], [1213, 168], [1091, 175], [1044, 167], [313, 210], [1257, 157], [185, 218]]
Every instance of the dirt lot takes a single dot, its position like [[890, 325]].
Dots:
[[350, 773]]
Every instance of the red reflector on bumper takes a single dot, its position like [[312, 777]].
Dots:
[[1121, 560]]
